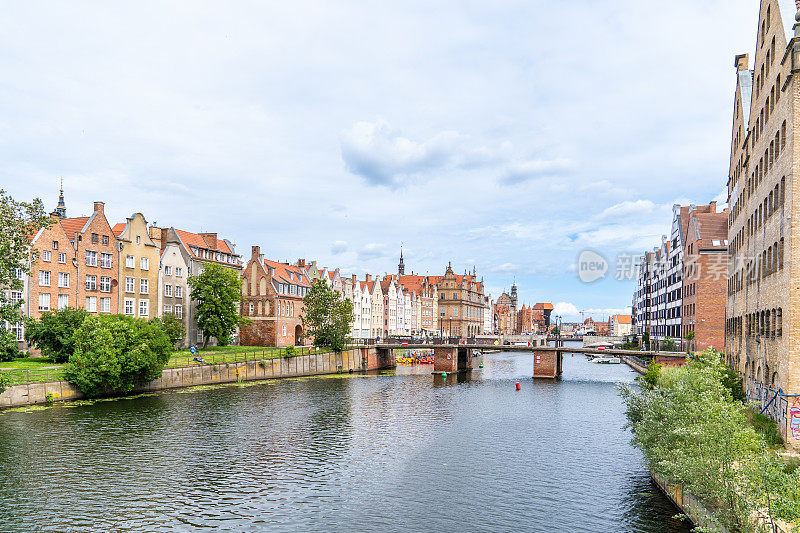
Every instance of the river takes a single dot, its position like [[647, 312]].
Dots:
[[400, 451]]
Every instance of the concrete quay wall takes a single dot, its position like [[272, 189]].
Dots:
[[355, 360]]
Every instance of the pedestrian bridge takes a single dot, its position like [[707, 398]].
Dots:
[[547, 360]]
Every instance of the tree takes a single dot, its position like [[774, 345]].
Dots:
[[217, 291], [53, 332], [668, 345], [114, 353], [327, 316], [555, 331], [689, 338], [172, 326], [19, 221], [646, 340]]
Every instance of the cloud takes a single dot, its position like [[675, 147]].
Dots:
[[627, 208], [565, 309], [372, 251], [535, 168], [338, 247], [383, 156], [505, 267]]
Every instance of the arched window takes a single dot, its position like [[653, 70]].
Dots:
[[245, 288], [783, 135], [263, 287]]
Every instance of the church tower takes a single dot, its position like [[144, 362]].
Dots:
[[61, 209], [514, 296], [401, 268]]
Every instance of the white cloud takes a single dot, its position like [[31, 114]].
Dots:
[[626, 209], [506, 267], [565, 309], [372, 251], [338, 247]]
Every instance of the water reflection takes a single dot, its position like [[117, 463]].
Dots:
[[394, 452]]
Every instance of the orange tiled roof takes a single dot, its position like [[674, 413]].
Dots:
[[73, 225], [282, 271], [623, 319], [195, 239], [546, 305], [118, 228]]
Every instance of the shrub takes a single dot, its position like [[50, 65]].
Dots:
[[290, 351], [113, 353], [8, 345], [668, 345], [49, 398], [53, 332], [5, 381], [650, 378]]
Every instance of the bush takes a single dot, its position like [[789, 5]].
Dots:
[[650, 378], [5, 381], [668, 345], [114, 353], [172, 326], [8, 345], [290, 351], [53, 332], [766, 427]]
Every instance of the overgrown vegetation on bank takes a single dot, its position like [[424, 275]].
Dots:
[[693, 429]]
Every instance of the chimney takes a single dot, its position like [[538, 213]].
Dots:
[[211, 239], [256, 251], [301, 263], [99, 207], [155, 234], [740, 61], [369, 278], [164, 233], [713, 206], [355, 280]]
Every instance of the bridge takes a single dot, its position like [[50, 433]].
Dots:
[[547, 360]]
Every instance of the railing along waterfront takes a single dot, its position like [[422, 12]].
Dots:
[[56, 373]]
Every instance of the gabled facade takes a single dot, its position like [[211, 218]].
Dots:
[[53, 280], [138, 268], [173, 277], [272, 298]]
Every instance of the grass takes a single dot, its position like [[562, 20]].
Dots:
[[32, 369]]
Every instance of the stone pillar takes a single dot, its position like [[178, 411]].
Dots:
[[546, 364], [445, 359]]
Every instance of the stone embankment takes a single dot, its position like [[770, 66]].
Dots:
[[355, 360]]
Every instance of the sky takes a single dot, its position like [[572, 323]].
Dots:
[[501, 135]]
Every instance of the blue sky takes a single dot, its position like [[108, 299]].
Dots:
[[505, 135]]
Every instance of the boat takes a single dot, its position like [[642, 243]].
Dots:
[[606, 360]]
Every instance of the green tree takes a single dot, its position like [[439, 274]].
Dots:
[[217, 291], [555, 331], [114, 353], [19, 221], [646, 340], [668, 345], [689, 338], [172, 326], [327, 316], [53, 332]]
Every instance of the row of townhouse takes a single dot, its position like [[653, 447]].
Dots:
[[680, 285], [131, 268], [394, 305]]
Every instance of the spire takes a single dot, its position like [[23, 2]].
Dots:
[[61, 208], [401, 268]]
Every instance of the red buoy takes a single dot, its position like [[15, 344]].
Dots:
[[518, 386]]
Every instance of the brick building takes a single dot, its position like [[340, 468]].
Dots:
[[705, 278], [97, 280], [541, 313], [460, 303], [525, 321], [272, 298], [505, 320]]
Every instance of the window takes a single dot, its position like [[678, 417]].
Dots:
[[105, 284], [179, 311], [91, 258], [91, 282], [105, 305], [130, 262], [44, 302], [63, 280], [252, 308], [178, 271], [178, 291], [167, 290], [167, 270], [138, 239], [284, 330], [95, 238], [55, 245], [128, 306], [105, 260], [167, 309], [144, 286], [63, 301], [46, 256], [16, 296], [18, 331], [105, 239], [129, 284], [145, 264], [44, 278], [62, 258], [144, 307], [91, 304]]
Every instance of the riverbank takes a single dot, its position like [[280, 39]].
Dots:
[[354, 360]]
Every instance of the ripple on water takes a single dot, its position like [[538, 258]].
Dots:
[[389, 453]]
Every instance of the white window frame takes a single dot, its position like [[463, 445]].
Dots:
[[178, 291], [129, 306], [91, 258], [105, 284], [104, 305], [44, 298], [62, 298], [178, 310], [44, 278], [144, 286], [168, 290], [91, 282], [63, 280], [144, 304], [106, 260], [144, 263], [130, 284], [91, 304], [130, 261], [47, 256]]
